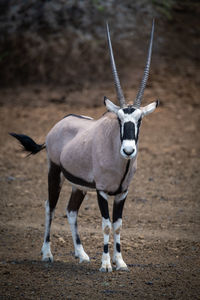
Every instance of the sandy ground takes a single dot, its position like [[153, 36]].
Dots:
[[161, 224]]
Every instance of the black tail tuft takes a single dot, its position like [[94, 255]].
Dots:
[[28, 144]]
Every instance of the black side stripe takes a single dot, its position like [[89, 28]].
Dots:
[[84, 183], [77, 180]]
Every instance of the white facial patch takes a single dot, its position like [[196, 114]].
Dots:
[[129, 117], [127, 147]]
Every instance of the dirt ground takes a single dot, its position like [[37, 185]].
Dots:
[[161, 223]]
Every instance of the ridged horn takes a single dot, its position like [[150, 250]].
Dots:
[[140, 93], [120, 95]]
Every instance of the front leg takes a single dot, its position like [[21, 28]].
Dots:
[[117, 224], [106, 228]]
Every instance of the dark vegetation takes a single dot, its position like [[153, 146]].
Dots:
[[63, 42]]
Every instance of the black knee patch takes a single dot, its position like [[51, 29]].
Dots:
[[105, 248], [118, 247], [78, 241], [47, 240]]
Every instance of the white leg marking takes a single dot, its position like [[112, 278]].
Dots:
[[46, 249], [121, 197], [105, 261], [104, 195], [117, 256], [79, 251], [46, 252], [106, 226]]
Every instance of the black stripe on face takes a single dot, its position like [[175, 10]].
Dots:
[[128, 110], [129, 131], [120, 126], [138, 129]]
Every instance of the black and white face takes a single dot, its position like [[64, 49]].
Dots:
[[130, 120]]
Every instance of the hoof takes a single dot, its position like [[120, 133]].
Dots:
[[46, 253], [84, 260], [48, 259], [82, 255], [104, 270]]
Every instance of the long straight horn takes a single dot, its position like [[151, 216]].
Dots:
[[140, 93], [120, 95]]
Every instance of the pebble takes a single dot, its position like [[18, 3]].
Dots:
[[149, 282]]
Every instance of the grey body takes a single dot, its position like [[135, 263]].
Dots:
[[90, 150]]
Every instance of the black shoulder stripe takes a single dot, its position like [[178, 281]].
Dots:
[[119, 190], [78, 116]]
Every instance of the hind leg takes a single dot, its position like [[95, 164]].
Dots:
[[74, 204], [54, 186]]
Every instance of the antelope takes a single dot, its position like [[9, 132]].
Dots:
[[96, 155]]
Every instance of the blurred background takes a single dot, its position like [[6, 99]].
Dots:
[[62, 44], [54, 61]]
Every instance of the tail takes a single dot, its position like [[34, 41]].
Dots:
[[28, 144]]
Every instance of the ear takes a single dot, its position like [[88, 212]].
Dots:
[[111, 106], [149, 108]]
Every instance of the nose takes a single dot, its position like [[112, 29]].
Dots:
[[128, 150]]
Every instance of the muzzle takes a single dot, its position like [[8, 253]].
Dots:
[[128, 149]]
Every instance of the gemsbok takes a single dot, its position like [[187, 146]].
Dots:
[[96, 155]]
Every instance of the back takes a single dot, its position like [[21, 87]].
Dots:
[[63, 133]]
